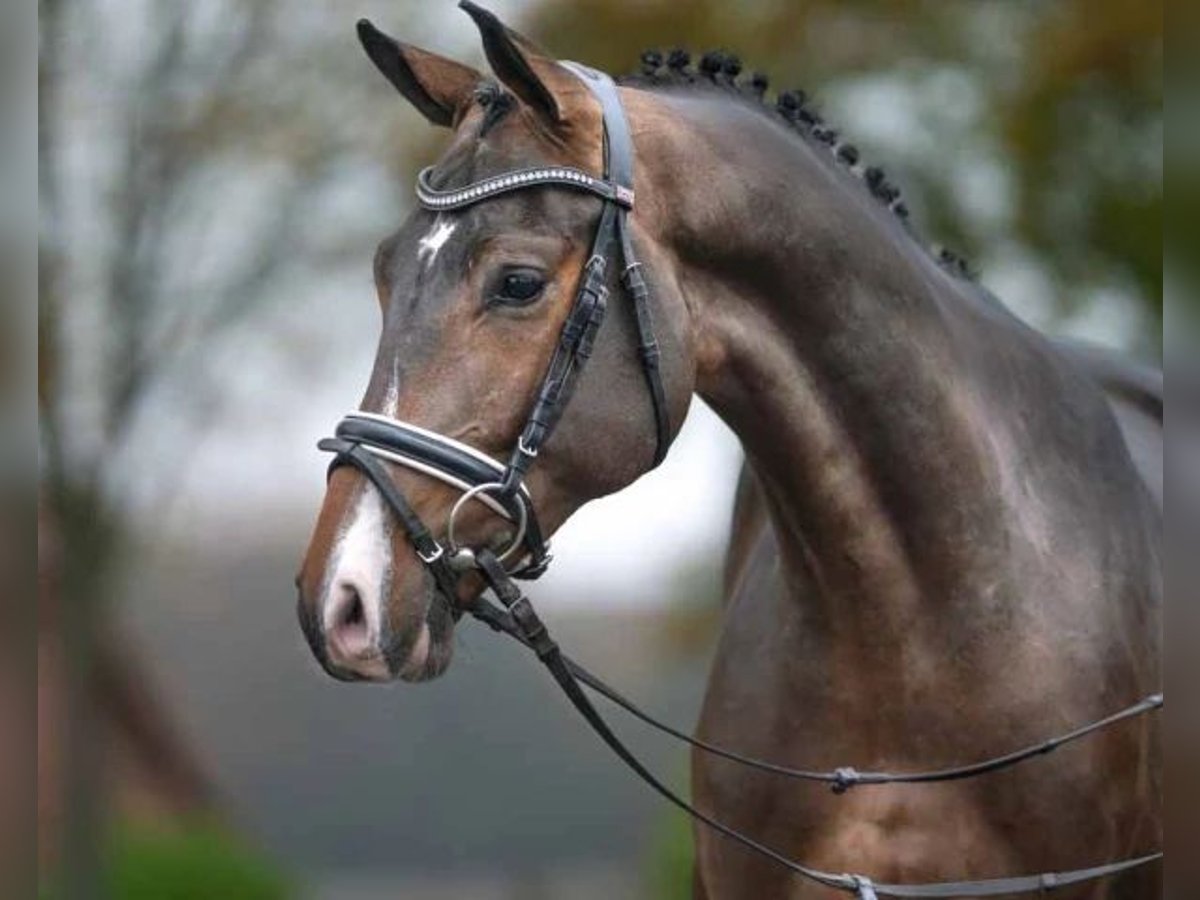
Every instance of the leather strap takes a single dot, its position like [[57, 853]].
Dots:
[[841, 779], [648, 351], [427, 548], [396, 438], [587, 314], [618, 166], [520, 621], [619, 169], [461, 466]]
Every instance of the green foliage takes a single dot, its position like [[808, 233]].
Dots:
[[1084, 129], [199, 862], [669, 869]]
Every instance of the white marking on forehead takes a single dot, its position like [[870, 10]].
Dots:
[[428, 246]]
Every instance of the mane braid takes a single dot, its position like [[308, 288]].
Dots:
[[720, 70]]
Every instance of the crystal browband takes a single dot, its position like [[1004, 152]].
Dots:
[[432, 198]]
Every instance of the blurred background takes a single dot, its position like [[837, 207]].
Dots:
[[213, 178]]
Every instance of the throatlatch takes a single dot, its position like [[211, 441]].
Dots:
[[367, 440]]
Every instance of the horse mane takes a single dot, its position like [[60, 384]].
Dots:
[[722, 71]]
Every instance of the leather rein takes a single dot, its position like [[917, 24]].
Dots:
[[367, 440]]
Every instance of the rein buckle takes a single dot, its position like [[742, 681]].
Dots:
[[433, 557]]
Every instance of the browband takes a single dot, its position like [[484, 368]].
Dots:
[[560, 176]]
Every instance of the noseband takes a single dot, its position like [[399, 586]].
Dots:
[[365, 439], [500, 486]]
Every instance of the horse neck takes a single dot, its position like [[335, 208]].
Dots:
[[854, 369]]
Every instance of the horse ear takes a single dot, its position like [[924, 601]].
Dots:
[[527, 70], [436, 86]]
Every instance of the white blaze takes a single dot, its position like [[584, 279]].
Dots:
[[391, 401], [362, 559], [362, 555], [428, 246]]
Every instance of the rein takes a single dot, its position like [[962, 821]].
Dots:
[[367, 440], [518, 619]]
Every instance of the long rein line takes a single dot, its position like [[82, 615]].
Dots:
[[842, 778], [518, 619]]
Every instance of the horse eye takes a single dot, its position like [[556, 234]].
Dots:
[[519, 288]]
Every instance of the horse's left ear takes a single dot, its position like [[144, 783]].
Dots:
[[526, 69], [436, 86]]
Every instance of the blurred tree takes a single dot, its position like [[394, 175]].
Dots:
[[1026, 127], [185, 151], [1181, 249], [18, 205], [1084, 128]]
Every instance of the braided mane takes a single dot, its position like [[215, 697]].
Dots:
[[719, 70]]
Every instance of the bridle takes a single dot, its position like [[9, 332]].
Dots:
[[478, 476], [367, 440]]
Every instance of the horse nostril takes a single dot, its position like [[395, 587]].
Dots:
[[352, 613], [347, 630]]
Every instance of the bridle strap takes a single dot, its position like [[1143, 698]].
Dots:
[[840, 779], [648, 351], [454, 463], [587, 313], [619, 169], [519, 620], [618, 163], [844, 778], [571, 354], [430, 552], [517, 180]]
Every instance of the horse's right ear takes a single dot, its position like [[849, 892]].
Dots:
[[436, 86]]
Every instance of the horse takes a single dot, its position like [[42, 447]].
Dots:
[[946, 538]]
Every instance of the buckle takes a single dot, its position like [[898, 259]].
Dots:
[[863, 887], [433, 557], [844, 779]]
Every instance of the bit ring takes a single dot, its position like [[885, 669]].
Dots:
[[487, 487]]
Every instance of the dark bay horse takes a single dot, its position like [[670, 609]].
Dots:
[[946, 540]]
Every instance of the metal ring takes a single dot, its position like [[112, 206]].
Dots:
[[487, 486]]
